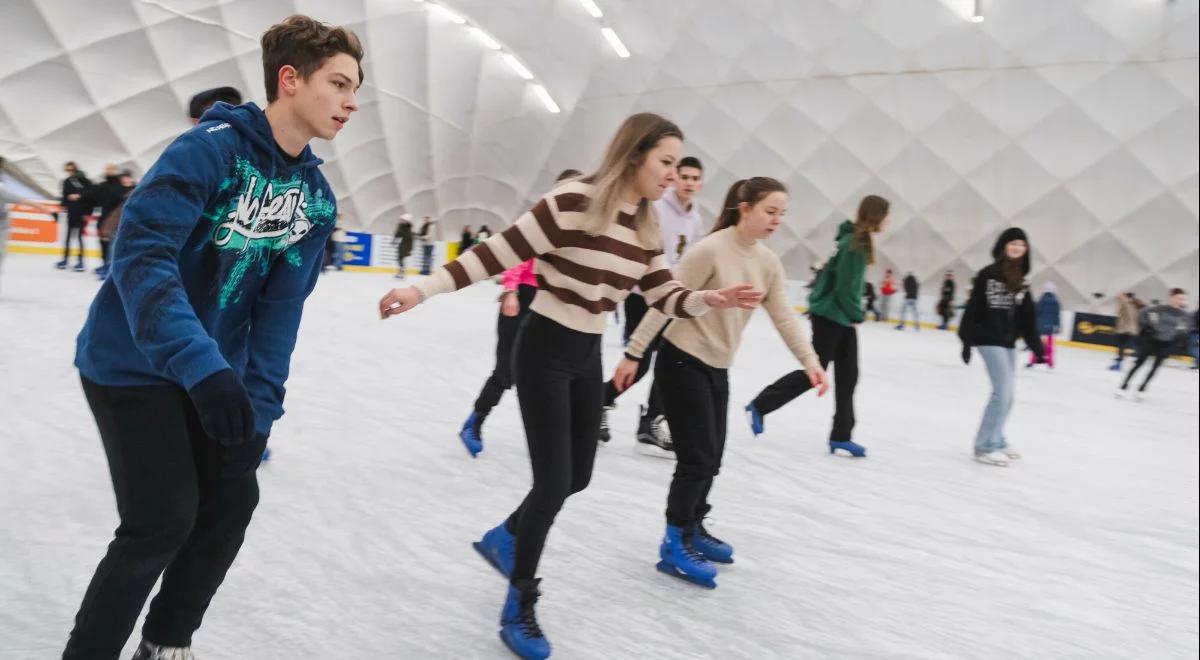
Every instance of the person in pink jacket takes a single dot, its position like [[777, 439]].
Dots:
[[520, 285]]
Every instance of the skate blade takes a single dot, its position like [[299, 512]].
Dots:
[[488, 558], [647, 449], [664, 567]]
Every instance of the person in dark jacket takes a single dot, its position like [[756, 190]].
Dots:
[[1195, 339], [945, 308], [1048, 312], [467, 240], [403, 240], [200, 103], [105, 196], [869, 294], [835, 306], [75, 188], [1000, 310], [110, 217], [1161, 326], [911, 289]]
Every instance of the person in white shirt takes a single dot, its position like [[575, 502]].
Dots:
[[681, 227]]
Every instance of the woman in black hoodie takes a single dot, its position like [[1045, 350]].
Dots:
[[1000, 309]]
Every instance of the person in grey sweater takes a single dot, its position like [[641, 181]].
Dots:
[[1161, 326]]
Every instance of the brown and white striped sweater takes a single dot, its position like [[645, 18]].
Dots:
[[580, 277]]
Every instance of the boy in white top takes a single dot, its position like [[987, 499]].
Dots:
[[681, 227]]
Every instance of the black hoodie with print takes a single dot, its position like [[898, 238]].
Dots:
[[996, 316]]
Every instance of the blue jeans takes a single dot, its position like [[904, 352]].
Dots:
[[910, 305], [426, 258], [1001, 366]]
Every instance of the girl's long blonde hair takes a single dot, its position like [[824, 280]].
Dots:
[[636, 137]]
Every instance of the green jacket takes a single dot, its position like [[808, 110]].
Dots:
[[838, 291]]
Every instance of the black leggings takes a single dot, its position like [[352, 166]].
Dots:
[[1124, 341], [1148, 348], [635, 309], [696, 403], [835, 343], [184, 503], [559, 384], [506, 336], [74, 230]]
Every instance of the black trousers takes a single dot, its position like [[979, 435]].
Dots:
[[835, 343], [635, 309], [1125, 341], [1149, 348], [506, 337], [105, 251], [184, 502], [696, 403], [74, 230], [870, 308], [559, 383]]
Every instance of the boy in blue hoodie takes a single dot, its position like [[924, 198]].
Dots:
[[187, 345]]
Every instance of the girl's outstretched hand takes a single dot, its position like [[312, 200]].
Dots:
[[398, 301], [742, 296]]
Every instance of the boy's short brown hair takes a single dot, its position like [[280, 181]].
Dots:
[[304, 43]]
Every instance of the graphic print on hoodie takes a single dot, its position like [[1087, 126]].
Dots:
[[218, 248]]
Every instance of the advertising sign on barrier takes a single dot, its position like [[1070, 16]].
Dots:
[[357, 249]]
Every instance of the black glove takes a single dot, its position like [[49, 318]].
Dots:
[[224, 408], [966, 354]]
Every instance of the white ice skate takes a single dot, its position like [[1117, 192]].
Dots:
[[1011, 454], [653, 439], [997, 458], [151, 651]]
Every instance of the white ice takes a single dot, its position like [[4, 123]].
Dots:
[[1087, 548]]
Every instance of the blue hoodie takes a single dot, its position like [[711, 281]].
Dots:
[[218, 248]]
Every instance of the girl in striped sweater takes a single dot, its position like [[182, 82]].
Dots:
[[594, 239], [694, 359], [520, 285]]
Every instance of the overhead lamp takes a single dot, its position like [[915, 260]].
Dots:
[[591, 8], [615, 42], [484, 38], [516, 65], [453, 17], [545, 97], [977, 15]]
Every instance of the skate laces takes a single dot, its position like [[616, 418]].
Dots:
[[526, 619], [703, 534], [690, 552]]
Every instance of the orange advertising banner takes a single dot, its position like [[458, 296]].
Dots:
[[32, 224]]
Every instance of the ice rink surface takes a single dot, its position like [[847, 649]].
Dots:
[[1087, 548]]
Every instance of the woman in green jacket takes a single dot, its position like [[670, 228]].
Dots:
[[835, 306]]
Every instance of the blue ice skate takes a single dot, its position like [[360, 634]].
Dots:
[[471, 434], [678, 558], [851, 447], [499, 547], [713, 548], [755, 418], [519, 628]]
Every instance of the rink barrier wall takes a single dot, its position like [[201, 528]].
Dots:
[[368, 253]]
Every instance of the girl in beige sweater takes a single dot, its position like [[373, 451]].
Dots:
[[693, 363]]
